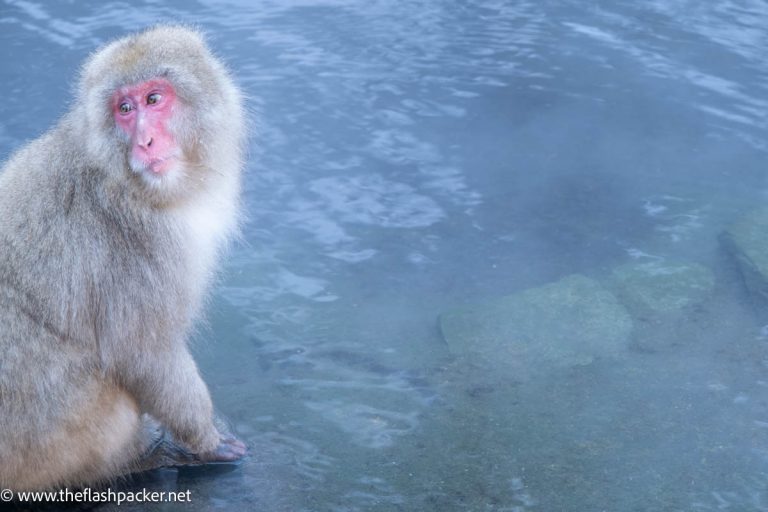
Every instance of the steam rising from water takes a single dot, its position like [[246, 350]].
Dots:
[[411, 157]]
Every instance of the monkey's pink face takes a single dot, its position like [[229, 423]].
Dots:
[[143, 111]]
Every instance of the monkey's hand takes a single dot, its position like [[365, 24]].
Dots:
[[229, 449]]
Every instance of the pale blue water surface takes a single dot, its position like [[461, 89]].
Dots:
[[408, 157]]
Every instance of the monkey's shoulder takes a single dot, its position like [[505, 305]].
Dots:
[[41, 191], [48, 156]]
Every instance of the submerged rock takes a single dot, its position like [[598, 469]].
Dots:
[[747, 241], [660, 295], [658, 287], [565, 323]]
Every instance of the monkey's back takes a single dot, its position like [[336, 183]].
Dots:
[[82, 285]]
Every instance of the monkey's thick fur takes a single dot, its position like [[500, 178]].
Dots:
[[103, 271]]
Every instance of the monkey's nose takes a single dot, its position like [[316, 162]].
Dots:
[[145, 143]]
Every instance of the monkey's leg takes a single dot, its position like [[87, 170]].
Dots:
[[96, 441], [61, 422]]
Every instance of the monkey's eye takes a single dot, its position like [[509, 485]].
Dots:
[[153, 98], [125, 108]]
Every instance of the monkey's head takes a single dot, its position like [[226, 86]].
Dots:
[[160, 111]]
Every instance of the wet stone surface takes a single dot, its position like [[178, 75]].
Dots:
[[561, 324]]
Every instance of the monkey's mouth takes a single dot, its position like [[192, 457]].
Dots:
[[161, 165], [157, 166]]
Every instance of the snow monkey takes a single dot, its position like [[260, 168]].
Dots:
[[110, 226]]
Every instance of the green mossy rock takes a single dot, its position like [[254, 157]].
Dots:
[[747, 241], [662, 288], [565, 323]]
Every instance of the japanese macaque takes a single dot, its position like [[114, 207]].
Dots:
[[110, 226]]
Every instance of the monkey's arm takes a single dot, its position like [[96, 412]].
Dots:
[[168, 386]]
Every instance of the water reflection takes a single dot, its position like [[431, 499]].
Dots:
[[408, 158]]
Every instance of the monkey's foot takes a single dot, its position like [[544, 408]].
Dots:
[[166, 452], [230, 449]]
